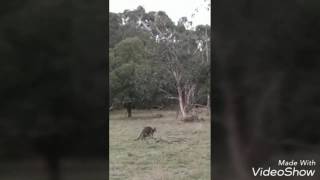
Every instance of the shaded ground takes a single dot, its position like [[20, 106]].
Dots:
[[36, 170]]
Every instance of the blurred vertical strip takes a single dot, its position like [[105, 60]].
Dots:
[[53, 78], [266, 85]]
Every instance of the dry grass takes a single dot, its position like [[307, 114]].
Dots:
[[187, 157]]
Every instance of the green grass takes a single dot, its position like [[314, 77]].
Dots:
[[188, 158]]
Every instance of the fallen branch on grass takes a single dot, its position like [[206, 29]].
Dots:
[[173, 140]]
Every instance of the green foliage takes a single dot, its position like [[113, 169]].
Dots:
[[114, 29], [151, 48], [131, 73]]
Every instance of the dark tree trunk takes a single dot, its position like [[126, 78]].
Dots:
[[236, 133], [128, 106], [53, 167], [129, 109]]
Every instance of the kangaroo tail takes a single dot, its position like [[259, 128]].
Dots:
[[138, 137]]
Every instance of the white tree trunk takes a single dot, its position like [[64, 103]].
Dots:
[[208, 101], [181, 102]]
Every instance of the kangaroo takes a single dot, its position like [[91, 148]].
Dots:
[[147, 131]]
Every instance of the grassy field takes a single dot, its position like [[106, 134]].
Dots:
[[184, 153]]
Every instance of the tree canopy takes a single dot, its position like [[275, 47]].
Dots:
[[157, 61]]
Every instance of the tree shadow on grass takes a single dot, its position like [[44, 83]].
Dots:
[[138, 117]]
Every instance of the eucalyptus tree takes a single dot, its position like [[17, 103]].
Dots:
[[178, 58], [132, 74], [179, 50]]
